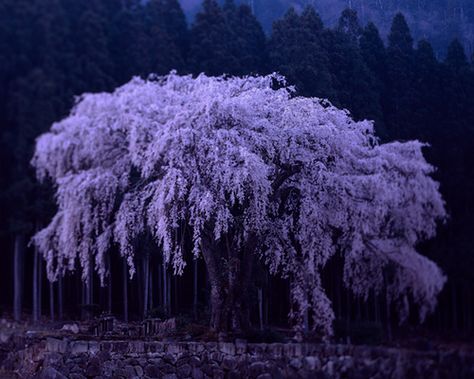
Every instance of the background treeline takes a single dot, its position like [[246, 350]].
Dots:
[[53, 50], [439, 21]]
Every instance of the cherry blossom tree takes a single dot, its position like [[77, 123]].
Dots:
[[245, 171]]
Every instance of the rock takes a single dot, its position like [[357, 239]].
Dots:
[[296, 363], [197, 373], [240, 346], [4, 336], [195, 361], [139, 371], [76, 369], [264, 376], [120, 373], [79, 347], [346, 364], [184, 370], [130, 371], [108, 368], [218, 373], [166, 368], [93, 369], [329, 368], [216, 356], [152, 371], [229, 363], [313, 363], [170, 376], [256, 369], [51, 373], [227, 348]]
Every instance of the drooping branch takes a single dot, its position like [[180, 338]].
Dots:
[[250, 171]]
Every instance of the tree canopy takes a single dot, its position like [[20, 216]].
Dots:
[[248, 171]]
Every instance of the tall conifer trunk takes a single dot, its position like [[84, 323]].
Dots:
[[18, 259], [109, 285], [40, 287], [165, 289], [60, 298], [51, 301], [125, 290], [195, 287], [146, 284], [35, 285]]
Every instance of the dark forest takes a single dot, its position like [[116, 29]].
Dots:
[[54, 50]]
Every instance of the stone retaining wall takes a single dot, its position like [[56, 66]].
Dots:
[[61, 359]]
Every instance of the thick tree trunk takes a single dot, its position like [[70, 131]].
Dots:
[[229, 284], [18, 275]]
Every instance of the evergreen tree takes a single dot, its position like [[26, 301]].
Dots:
[[456, 57], [427, 105], [296, 51], [93, 66], [354, 84], [164, 51], [374, 55], [176, 26], [373, 51], [210, 51], [400, 93], [129, 43], [247, 40], [348, 24]]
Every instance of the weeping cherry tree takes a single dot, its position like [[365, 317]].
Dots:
[[244, 171]]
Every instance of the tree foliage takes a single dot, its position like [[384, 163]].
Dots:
[[248, 170]]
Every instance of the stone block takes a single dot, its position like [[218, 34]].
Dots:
[[227, 348], [79, 347], [184, 371], [54, 345]]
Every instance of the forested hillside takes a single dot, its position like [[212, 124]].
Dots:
[[63, 48], [439, 21]]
